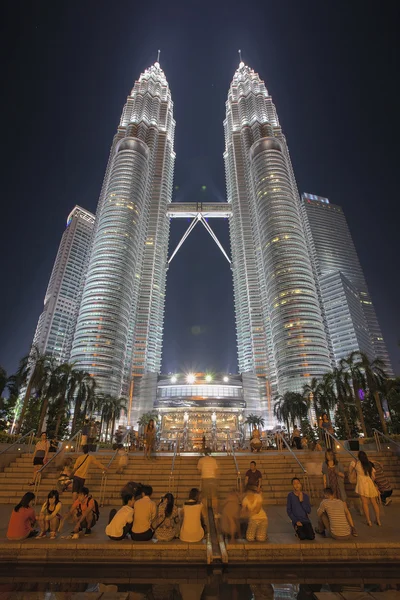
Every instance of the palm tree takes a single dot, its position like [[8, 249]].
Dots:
[[375, 377], [50, 391], [66, 389], [84, 386], [33, 371], [117, 406], [312, 393], [352, 365], [104, 405], [145, 418], [340, 380], [290, 407], [327, 398]]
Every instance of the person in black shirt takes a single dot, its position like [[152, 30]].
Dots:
[[253, 477]]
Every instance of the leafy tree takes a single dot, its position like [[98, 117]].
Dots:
[[308, 431], [3, 380], [346, 421], [312, 393], [31, 417], [372, 420], [375, 378]]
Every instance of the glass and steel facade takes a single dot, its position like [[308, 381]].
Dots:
[[125, 283], [333, 251], [56, 325], [280, 330]]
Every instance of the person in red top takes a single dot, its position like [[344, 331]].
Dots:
[[22, 519], [83, 513]]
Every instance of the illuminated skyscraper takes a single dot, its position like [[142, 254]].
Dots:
[[56, 325], [352, 323], [280, 331], [125, 283]]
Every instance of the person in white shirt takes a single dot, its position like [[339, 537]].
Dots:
[[120, 523], [208, 468], [144, 513], [193, 518], [258, 520], [334, 517]]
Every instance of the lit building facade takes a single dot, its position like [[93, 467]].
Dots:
[[120, 322], [337, 267], [56, 325], [280, 332], [198, 405]]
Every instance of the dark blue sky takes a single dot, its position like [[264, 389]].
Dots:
[[331, 68]]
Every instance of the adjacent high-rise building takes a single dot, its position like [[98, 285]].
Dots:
[[120, 322], [56, 325], [349, 313], [280, 330]]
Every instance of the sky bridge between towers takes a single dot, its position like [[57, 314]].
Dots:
[[199, 212]]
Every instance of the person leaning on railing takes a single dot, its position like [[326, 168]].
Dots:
[[81, 468]]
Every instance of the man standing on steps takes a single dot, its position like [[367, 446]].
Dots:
[[208, 468], [81, 469], [253, 477], [298, 508]]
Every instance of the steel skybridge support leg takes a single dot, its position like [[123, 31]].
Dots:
[[214, 237], [185, 235]]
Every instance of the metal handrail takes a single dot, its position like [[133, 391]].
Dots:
[[306, 481], [30, 434], [238, 475], [103, 483], [378, 433], [336, 441], [171, 475], [64, 446]]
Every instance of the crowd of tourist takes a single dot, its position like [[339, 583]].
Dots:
[[241, 515]]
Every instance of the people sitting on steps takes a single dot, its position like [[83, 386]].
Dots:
[[334, 518], [144, 514], [298, 508], [120, 522], [84, 514]]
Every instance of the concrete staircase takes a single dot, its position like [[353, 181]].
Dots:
[[277, 469]]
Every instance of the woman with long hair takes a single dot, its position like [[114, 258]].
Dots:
[[365, 486], [40, 455], [22, 519], [166, 524], [333, 475], [193, 517], [150, 438], [50, 515]]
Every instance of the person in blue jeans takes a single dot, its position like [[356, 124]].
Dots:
[[298, 508]]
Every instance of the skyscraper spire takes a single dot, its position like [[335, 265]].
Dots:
[[158, 56], [240, 55]]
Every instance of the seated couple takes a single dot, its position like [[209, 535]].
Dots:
[[135, 518], [141, 519]]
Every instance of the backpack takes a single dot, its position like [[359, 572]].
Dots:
[[96, 511]]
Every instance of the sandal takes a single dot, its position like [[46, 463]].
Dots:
[[71, 536], [53, 535], [42, 534]]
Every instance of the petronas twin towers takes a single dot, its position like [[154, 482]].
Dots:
[[281, 335]]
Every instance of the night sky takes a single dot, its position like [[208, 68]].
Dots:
[[331, 67]]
